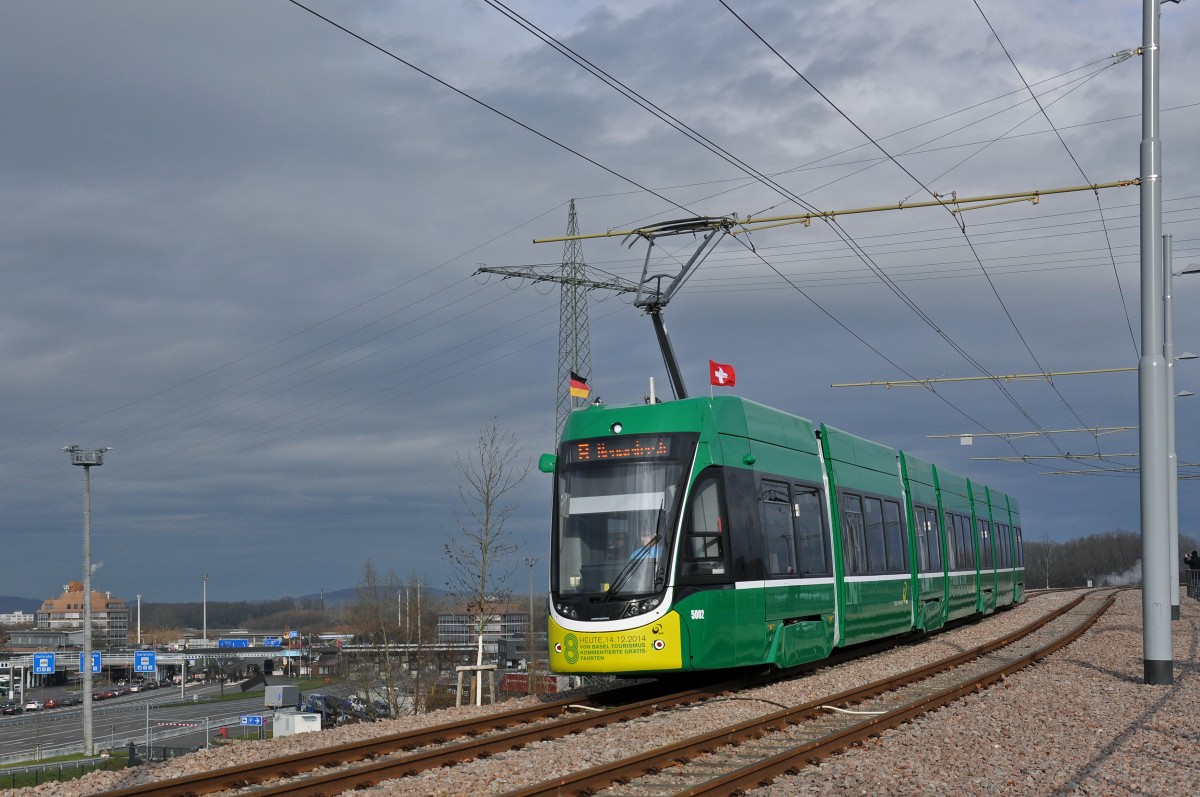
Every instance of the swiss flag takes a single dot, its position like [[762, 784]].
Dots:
[[721, 375]]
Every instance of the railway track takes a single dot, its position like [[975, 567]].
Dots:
[[517, 727], [404, 754], [735, 759]]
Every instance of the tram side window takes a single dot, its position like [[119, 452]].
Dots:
[[985, 544], [969, 540], [962, 542], [854, 541], [893, 534], [1020, 552], [952, 555], [936, 554], [810, 531], [704, 529], [967, 536], [777, 528], [1002, 546], [921, 533], [876, 550], [962, 555], [929, 542]]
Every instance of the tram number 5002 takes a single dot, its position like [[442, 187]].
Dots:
[[697, 614]]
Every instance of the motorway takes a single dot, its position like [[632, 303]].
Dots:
[[160, 715]]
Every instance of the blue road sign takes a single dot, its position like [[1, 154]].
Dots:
[[252, 719], [293, 634], [95, 661], [43, 663], [233, 643], [145, 661], [272, 642]]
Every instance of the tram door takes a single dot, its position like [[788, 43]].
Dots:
[[797, 595], [709, 606]]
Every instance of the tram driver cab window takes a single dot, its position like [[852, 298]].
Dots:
[[704, 529]]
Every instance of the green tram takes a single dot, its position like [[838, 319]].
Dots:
[[713, 533]]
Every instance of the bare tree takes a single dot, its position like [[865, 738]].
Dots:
[[481, 553], [377, 619]]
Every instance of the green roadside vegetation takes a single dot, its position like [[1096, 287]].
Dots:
[[60, 768]]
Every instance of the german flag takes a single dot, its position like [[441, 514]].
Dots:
[[579, 386]]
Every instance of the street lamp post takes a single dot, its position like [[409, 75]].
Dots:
[[532, 562], [204, 605], [86, 458], [139, 600]]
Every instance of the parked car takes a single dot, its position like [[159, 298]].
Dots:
[[10, 708], [33, 705], [53, 702]]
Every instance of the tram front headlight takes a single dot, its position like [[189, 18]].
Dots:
[[567, 610], [642, 606]]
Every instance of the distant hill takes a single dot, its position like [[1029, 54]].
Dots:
[[11, 603], [341, 597], [333, 598]]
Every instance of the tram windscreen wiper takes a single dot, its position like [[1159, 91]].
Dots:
[[636, 559]]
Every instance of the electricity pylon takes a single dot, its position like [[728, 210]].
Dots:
[[652, 292], [574, 345]]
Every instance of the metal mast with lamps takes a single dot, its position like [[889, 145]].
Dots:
[[87, 458]]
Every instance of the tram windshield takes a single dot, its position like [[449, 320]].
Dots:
[[618, 501]]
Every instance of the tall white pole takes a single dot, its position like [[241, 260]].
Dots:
[[139, 600], [1157, 664]]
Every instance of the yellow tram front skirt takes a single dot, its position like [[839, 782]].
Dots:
[[654, 646]]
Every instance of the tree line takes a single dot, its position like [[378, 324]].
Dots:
[[1110, 558]]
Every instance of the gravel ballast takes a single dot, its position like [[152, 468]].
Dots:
[[1082, 722]]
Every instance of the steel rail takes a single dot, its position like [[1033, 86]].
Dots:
[[596, 778], [257, 772], [768, 769]]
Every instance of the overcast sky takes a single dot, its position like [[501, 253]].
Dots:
[[238, 246]]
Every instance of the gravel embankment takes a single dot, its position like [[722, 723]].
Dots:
[[1080, 723]]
